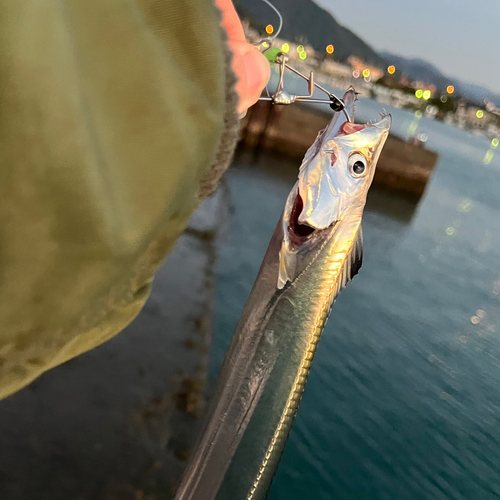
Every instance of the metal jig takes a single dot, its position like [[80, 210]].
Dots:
[[281, 96]]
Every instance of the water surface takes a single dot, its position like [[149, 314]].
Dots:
[[403, 400]]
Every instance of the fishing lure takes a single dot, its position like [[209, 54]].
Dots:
[[280, 96]]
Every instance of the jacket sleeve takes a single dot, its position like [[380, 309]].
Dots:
[[111, 118]]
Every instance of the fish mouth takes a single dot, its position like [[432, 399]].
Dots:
[[349, 128], [296, 229], [299, 233]]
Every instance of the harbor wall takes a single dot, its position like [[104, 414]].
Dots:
[[290, 130]]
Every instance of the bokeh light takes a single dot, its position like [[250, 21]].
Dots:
[[419, 93], [488, 157], [479, 113], [366, 72], [426, 94], [300, 48], [269, 29], [391, 69], [465, 205], [285, 48], [303, 55], [330, 49], [450, 89], [444, 99], [494, 143]]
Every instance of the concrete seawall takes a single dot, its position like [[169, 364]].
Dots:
[[290, 130]]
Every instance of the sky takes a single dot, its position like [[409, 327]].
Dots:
[[460, 37]]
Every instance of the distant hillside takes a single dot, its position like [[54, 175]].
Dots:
[[306, 22], [417, 69], [477, 93]]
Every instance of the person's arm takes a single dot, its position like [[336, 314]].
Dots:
[[117, 118]]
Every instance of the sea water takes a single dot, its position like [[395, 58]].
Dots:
[[403, 400]]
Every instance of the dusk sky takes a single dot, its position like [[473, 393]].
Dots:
[[460, 37]]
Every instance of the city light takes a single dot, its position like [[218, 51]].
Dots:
[[303, 55], [391, 69], [366, 72], [479, 113], [330, 48], [419, 93], [285, 48], [300, 48], [426, 95], [495, 143], [450, 89], [269, 29]]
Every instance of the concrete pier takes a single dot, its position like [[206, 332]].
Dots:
[[290, 130]]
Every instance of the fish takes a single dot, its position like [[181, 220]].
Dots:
[[316, 249]]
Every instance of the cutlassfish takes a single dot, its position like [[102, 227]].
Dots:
[[314, 252]]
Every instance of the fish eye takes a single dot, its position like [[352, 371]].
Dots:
[[357, 165]]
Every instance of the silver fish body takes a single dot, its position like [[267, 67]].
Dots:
[[265, 370]]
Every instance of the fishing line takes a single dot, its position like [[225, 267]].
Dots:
[[271, 38]]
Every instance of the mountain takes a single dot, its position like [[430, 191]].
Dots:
[[477, 93], [418, 69], [306, 22]]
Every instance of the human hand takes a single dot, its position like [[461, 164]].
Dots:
[[250, 66]]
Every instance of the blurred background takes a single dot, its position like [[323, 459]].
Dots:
[[403, 399]]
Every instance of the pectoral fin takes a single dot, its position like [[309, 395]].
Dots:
[[352, 263]]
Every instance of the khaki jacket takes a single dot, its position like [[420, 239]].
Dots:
[[111, 118]]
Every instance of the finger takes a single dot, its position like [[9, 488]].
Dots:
[[253, 72], [250, 66], [230, 20]]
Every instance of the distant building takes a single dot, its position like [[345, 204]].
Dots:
[[359, 66], [424, 86]]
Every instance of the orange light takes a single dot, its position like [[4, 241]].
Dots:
[[330, 48], [269, 29], [450, 89], [391, 69]]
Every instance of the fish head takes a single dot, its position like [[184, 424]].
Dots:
[[332, 185], [337, 171]]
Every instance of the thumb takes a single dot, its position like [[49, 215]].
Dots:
[[252, 70]]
